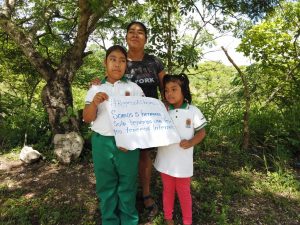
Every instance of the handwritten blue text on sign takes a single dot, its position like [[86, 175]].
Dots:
[[141, 122]]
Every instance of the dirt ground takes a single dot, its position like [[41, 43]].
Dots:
[[75, 184], [17, 174]]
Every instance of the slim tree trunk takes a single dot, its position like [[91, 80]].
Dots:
[[246, 131], [170, 65]]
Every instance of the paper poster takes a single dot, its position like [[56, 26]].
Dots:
[[141, 122]]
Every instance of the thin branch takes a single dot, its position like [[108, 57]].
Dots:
[[246, 132]]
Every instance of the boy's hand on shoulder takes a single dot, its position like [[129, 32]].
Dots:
[[95, 81], [123, 149], [185, 144], [99, 98]]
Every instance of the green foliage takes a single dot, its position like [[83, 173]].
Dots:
[[275, 137], [274, 44], [92, 67], [13, 130], [253, 9], [274, 82], [84, 128], [19, 208], [281, 182], [176, 34], [21, 111], [274, 131], [55, 24], [217, 97]]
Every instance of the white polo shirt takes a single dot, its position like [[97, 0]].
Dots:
[[102, 124], [172, 159]]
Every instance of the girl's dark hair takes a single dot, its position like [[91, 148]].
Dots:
[[116, 48], [139, 23], [183, 82]]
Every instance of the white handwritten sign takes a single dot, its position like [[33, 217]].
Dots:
[[141, 122]]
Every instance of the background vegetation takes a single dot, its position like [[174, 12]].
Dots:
[[257, 183]]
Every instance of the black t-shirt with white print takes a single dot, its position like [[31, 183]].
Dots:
[[145, 74]]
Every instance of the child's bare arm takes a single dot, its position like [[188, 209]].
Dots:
[[90, 111], [198, 137]]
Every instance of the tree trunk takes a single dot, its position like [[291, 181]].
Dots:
[[246, 130], [170, 65], [58, 101]]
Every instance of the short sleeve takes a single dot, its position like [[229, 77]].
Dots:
[[199, 119], [140, 91], [159, 64]]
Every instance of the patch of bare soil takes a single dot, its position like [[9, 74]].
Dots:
[[41, 175], [72, 184]]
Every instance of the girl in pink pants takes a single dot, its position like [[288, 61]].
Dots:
[[175, 162]]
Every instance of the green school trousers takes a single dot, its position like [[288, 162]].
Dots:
[[116, 181]]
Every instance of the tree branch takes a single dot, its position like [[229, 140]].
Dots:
[[19, 36], [246, 132]]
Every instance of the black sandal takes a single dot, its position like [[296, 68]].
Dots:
[[151, 209]]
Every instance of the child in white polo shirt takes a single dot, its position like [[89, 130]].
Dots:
[[175, 162], [115, 168]]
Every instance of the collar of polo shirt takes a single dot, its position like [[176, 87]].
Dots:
[[123, 79], [183, 106]]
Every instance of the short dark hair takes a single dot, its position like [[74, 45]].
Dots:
[[139, 23], [114, 48], [183, 81]]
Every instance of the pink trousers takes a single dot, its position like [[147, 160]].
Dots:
[[182, 187]]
